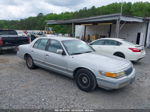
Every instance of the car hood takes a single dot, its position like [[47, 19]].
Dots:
[[102, 62]]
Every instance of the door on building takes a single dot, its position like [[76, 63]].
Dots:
[[138, 38]]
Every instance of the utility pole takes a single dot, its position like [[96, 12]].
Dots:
[[121, 9], [118, 20], [73, 32]]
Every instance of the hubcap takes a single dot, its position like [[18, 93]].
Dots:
[[29, 61], [84, 80]]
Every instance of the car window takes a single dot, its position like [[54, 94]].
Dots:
[[54, 46], [36, 43], [41, 44], [112, 42], [98, 42]]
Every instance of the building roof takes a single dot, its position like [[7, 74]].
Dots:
[[147, 18], [98, 19], [59, 38]]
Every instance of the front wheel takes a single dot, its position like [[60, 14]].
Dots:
[[85, 80], [1, 52], [29, 62]]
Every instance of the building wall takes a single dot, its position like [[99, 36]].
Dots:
[[128, 31], [148, 36], [97, 29], [91, 30], [79, 30]]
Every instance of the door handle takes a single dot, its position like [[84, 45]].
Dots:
[[32, 51], [46, 55]]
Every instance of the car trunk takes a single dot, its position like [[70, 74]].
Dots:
[[140, 47]]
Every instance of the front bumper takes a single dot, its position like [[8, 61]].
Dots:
[[111, 83]]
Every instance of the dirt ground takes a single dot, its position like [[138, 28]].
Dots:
[[21, 88]]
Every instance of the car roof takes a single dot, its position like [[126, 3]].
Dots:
[[60, 38]]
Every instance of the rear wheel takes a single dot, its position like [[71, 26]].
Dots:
[[1, 52], [85, 80], [119, 54], [29, 62]]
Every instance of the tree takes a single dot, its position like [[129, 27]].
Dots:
[[40, 15], [38, 22]]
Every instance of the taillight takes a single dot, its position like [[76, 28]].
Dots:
[[135, 50], [1, 42]]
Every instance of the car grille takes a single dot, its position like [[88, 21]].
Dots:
[[129, 71]]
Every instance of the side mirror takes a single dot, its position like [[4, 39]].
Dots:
[[90, 43], [59, 51]]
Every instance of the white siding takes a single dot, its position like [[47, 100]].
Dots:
[[79, 30], [148, 37], [92, 30], [128, 31]]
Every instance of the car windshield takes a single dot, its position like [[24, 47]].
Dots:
[[74, 47]]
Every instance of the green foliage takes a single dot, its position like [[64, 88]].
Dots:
[[141, 9]]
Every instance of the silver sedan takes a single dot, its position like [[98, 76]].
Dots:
[[76, 59]]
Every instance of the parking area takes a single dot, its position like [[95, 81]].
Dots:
[[21, 88]]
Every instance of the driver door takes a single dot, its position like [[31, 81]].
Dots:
[[55, 61]]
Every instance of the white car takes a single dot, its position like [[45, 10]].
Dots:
[[119, 47], [76, 59]]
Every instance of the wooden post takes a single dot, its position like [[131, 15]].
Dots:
[[84, 32], [110, 27], [73, 33], [117, 27]]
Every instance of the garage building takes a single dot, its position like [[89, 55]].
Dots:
[[133, 29]]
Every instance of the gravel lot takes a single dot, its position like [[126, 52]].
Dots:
[[39, 88]]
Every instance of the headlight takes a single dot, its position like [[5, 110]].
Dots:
[[113, 75]]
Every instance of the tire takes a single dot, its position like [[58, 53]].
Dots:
[[119, 54], [1, 52], [85, 80], [29, 62]]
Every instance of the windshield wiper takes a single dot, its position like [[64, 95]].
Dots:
[[81, 53], [88, 51], [76, 53]]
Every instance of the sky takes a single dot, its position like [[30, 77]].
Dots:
[[19, 9]]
